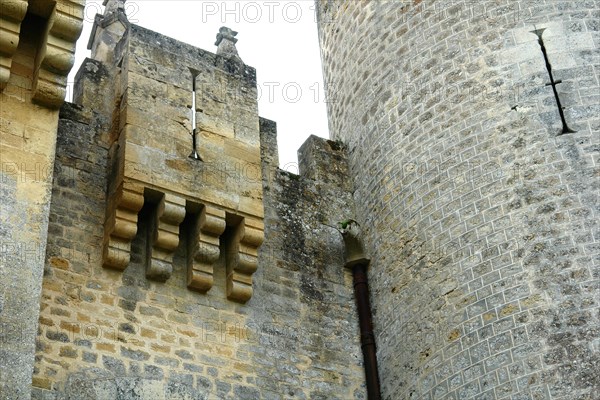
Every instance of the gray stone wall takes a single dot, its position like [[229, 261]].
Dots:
[[481, 218]]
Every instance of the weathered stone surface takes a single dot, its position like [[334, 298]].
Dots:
[[297, 334], [151, 158], [204, 249], [109, 333], [33, 66], [481, 223], [480, 218]]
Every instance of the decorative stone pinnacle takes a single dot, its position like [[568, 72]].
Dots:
[[226, 33], [226, 43], [113, 6]]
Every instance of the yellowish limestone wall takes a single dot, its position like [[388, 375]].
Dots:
[[149, 321], [34, 64]]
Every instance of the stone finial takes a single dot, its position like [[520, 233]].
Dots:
[[113, 6], [226, 33], [226, 43], [105, 33]]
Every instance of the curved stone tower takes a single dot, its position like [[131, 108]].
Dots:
[[473, 141]]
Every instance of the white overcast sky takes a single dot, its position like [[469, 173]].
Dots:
[[278, 38]]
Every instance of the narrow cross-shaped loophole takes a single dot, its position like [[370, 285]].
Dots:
[[553, 83], [194, 154]]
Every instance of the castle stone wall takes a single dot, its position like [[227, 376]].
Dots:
[[33, 74], [481, 219], [108, 334]]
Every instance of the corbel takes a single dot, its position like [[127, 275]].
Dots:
[[203, 250], [163, 237]]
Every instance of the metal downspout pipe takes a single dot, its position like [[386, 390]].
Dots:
[[358, 263]]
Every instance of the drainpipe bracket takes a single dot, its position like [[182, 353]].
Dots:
[[354, 248], [356, 261]]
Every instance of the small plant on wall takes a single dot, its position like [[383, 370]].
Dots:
[[345, 224]]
